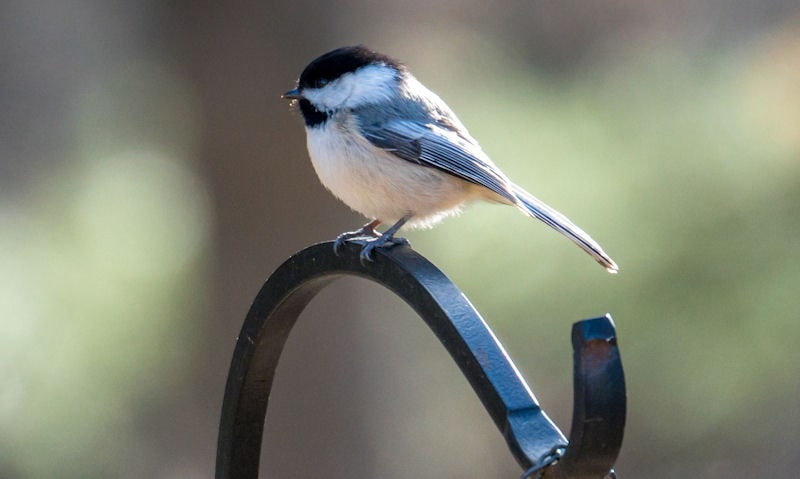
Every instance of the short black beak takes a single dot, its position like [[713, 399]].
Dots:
[[292, 95]]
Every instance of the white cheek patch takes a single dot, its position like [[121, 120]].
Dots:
[[369, 84], [327, 98]]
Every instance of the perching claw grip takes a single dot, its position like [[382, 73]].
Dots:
[[599, 404]]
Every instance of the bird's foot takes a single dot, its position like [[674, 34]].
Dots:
[[367, 231], [385, 240], [370, 238]]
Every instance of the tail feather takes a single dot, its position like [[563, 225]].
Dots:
[[532, 206]]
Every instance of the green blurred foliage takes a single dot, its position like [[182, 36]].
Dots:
[[100, 281], [667, 161]]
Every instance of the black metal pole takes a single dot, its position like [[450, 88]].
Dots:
[[528, 431]]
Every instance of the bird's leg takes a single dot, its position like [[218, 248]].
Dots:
[[386, 240], [366, 230]]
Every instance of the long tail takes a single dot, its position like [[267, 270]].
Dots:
[[532, 206]]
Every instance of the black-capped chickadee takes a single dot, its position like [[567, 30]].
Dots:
[[393, 151]]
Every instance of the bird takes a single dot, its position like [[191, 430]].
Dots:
[[393, 151]]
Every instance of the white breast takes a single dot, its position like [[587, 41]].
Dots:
[[378, 184]]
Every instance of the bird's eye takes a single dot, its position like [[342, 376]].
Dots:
[[321, 82]]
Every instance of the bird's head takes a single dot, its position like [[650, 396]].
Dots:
[[347, 77]]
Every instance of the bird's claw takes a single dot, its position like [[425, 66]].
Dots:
[[380, 242], [359, 233], [371, 239]]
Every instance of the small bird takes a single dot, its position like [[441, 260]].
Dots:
[[393, 151]]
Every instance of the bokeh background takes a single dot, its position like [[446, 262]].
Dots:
[[151, 178]]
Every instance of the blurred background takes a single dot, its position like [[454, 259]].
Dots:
[[151, 178]]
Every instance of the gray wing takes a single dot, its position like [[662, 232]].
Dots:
[[440, 147]]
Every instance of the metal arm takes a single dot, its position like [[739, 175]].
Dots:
[[599, 412]]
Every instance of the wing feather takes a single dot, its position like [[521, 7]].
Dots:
[[440, 147]]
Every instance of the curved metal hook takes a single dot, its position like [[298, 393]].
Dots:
[[599, 414]]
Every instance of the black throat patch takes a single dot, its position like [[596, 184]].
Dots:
[[311, 115]]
